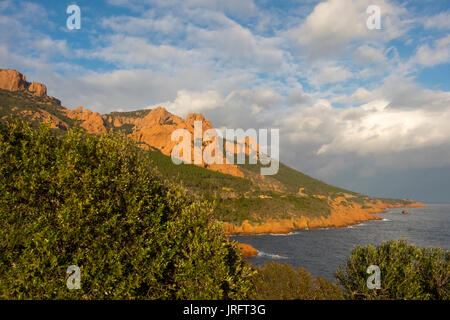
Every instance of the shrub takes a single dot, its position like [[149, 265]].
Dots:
[[96, 202], [275, 281], [407, 272]]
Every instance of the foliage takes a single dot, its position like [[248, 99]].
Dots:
[[275, 281], [293, 180], [196, 178], [275, 206], [23, 104], [407, 272], [96, 202]]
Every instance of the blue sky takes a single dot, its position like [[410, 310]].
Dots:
[[359, 108]]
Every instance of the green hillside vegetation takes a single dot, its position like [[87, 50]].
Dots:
[[15, 103], [243, 202], [196, 178], [97, 202], [293, 180]]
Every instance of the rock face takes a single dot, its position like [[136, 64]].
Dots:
[[247, 250], [91, 121], [13, 80], [38, 89], [154, 130]]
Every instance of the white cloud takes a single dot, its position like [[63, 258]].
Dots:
[[238, 8], [148, 22], [431, 56], [395, 118], [48, 47], [381, 130], [368, 54], [440, 21], [132, 51], [192, 102], [328, 74], [239, 47], [335, 23], [297, 96], [254, 100]]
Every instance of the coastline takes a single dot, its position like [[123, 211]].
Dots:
[[343, 214]]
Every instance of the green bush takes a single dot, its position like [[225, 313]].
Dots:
[[96, 202], [275, 281], [407, 272]]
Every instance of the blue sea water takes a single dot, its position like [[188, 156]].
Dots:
[[322, 251]]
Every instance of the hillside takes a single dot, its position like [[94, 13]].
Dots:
[[246, 201]]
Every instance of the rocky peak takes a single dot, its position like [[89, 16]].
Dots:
[[38, 89], [161, 116], [13, 80], [91, 121], [192, 117]]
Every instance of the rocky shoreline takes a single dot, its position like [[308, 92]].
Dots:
[[341, 216]]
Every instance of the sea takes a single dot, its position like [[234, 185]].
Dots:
[[322, 251]]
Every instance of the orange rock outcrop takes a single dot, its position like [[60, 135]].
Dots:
[[91, 121], [154, 130], [247, 250], [13, 80], [343, 213]]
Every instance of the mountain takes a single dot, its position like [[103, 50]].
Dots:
[[244, 200]]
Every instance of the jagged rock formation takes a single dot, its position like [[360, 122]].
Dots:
[[13, 80], [91, 121]]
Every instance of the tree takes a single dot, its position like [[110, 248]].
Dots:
[[275, 281], [98, 203], [407, 272]]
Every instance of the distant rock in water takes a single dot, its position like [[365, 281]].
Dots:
[[405, 211]]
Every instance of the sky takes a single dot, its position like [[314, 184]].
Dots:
[[364, 109]]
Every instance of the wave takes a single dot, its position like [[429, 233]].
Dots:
[[270, 255], [360, 225], [284, 234], [267, 234]]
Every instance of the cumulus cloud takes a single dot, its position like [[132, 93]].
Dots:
[[148, 22], [238, 8], [373, 128], [335, 23], [437, 54], [440, 21], [297, 96], [130, 51], [328, 74], [193, 102], [368, 54], [389, 121], [255, 100]]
